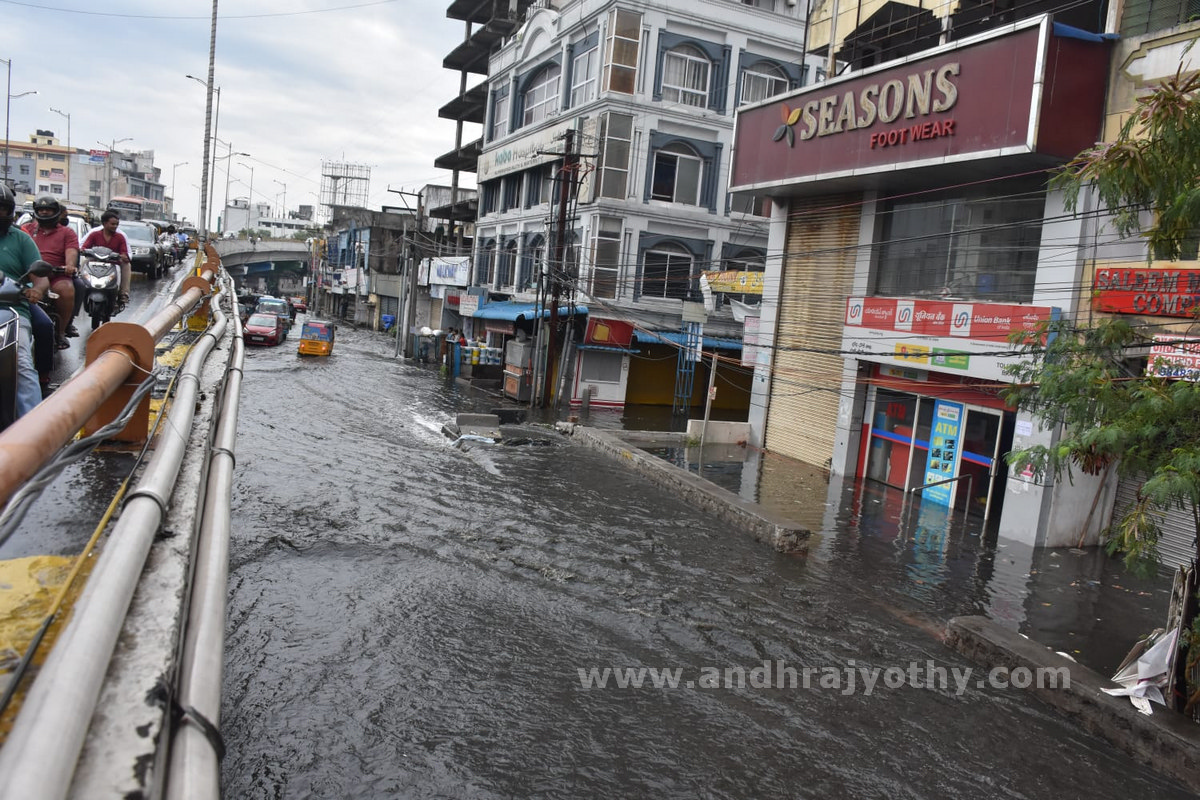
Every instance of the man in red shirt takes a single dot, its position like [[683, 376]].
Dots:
[[108, 236], [59, 247]]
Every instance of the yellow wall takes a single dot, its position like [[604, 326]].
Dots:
[[652, 379]]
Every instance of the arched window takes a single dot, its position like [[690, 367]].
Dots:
[[531, 265], [685, 76], [666, 272], [761, 81], [541, 94], [678, 174], [508, 262], [489, 262]]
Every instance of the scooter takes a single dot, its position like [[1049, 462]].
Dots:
[[100, 268], [12, 293]]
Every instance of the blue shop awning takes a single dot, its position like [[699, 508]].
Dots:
[[519, 312], [675, 337]]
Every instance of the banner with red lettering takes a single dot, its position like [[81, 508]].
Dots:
[[1154, 292]]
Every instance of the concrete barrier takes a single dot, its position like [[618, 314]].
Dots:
[[1165, 741], [782, 534], [718, 431]]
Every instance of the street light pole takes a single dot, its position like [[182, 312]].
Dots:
[[70, 152], [112, 148], [228, 167], [250, 204], [210, 145], [173, 168]]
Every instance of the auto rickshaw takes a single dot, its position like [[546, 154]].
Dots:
[[316, 338]]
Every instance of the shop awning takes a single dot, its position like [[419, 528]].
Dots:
[[675, 337], [519, 312]]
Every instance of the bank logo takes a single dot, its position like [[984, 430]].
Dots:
[[904, 315], [854, 311], [960, 319]]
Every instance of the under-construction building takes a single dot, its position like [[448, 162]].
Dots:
[[344, 185]]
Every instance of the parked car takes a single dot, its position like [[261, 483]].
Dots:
[[264, 329], [79, 225], [274, 305], [145, 253]]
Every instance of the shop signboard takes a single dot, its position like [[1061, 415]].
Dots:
[[522, 153], [468, 305], [449, 271], [959, 338], [735, 281], [608, 332], [1154, 292], [751, 351], [1174, 356], [1019, 91], [944, 452]]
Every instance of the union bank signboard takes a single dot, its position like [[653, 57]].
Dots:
[[1037, 89]]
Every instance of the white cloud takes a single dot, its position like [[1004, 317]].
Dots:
[[361, 85]]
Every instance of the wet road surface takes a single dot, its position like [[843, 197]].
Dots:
[[410, 619]]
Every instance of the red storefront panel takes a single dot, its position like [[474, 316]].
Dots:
[[1022, 92]]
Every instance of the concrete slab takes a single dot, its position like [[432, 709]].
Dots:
[[782, 534], [478, 425], [1164, 741]]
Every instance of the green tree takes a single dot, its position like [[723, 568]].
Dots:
[[1150, 168], [1113, 415]]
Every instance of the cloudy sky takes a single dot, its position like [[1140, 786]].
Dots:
[[301, 81]]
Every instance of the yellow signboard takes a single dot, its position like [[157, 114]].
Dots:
[[735, 282], [912, 352]]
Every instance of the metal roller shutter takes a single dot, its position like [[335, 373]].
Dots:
[[1178, 528], [806, 379]]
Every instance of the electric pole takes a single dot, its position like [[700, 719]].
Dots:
[[558, 260]]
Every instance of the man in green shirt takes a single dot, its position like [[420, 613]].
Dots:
[[17, 253]]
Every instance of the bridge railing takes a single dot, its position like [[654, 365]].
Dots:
[[118, 357]]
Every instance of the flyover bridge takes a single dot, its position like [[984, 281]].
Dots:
[[243, 258]]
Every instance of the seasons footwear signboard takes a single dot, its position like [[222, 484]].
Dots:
[[1037, 89]]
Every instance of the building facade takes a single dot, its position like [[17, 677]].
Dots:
[[608, 131], [41, 165], [914, 233]]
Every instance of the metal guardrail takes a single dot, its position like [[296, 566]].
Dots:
[[966, 508], [58, 709], [98, 393]]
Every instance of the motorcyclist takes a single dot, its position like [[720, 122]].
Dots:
[[108, 236], [17, 254], [80, 284], [59, 247]]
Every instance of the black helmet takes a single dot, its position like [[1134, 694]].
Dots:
[[47, 209]]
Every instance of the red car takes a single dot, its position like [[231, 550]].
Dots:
[[300, 304], [265, 329]]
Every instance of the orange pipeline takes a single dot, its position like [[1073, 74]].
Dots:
[[34, 439]]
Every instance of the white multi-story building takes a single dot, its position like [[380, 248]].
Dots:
[[644, 94]]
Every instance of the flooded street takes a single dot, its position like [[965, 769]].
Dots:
[[412, 619]]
